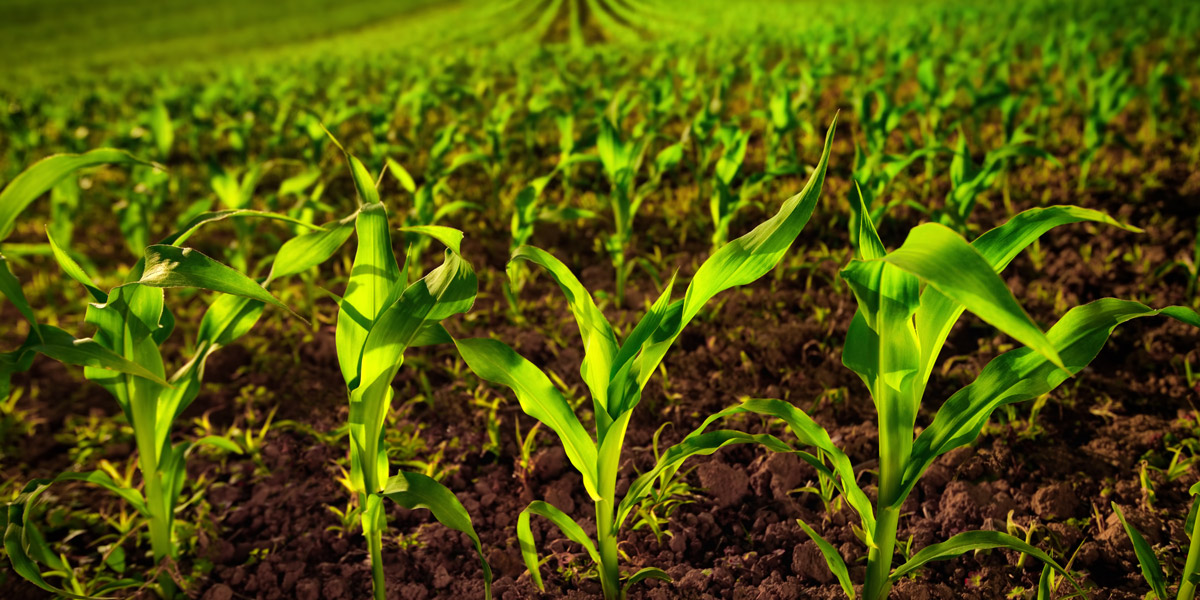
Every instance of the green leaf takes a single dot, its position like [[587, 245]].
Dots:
[[869, 246], [975, 540], [1022, 374], [227, 319], [160, 125], [200, 220], [169, 266], [311, 249], [413, 491], [42, 175], [63, 347], [646, 573], [448, 236], [11, 288], [560, 519], [833, 558], [739, 262], [944, 260], [73, 270], [999, 246], [402, 175], [494, 361], [1146, 558], [374, 275], [23, 542], [218, 442], [751, 256], [449, 289], [599, 341]]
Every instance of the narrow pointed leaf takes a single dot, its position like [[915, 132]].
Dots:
[[1151, 569], [42, 175], [599, 341], [833, 558], [413, 491], [169, 266], [494, 361], [1022, 374], [310, 249], [999, 247], [947, 262], [971, 541], [569, 527], [646, 573]]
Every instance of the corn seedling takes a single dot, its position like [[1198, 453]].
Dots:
[[622, 161], [1152, 570], [379, 317], [968, 180], [616, 373], [909, 299]]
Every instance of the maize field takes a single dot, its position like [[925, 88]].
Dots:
[[619, 299]]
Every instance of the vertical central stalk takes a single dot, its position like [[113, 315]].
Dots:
[[606, 535], [887, 519], [158, 505], [373, 522]]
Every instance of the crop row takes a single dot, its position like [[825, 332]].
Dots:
[[908, 300]]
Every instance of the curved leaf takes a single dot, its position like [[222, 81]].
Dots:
[[646, 573], [23, 542], [42, 175], [976, 540], [413, 491], [494, 361], [310, 249], [999, 247], [833, 558], [194, 225], [599, 341], [448, 236], [169, 266], [1146, 558], [569, 527], [1022, 374], [11, 288], [953, 267], [739, 262]]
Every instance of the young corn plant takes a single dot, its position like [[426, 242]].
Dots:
[[45, 175], [908, 301], [1108, 92], [380, 316], [622, 160], [1151, 569], [968, 180], [132, 322], [725, 201], [616, 373]]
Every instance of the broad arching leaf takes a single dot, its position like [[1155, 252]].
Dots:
[[413, 491], [42, 175]]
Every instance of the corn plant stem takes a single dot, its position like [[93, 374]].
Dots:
[[606, 534], [1187, 588], [373, 522], [144, 401], [375, 547], [887, 516], [879, 558]]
